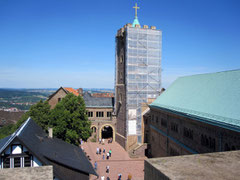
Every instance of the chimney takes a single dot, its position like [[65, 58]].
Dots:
[[50, 132], [80, 91]]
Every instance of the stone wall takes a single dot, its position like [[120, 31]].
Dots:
[[28, 173], [56, 98], [171, 134]]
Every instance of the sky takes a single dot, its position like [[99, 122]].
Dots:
[[71, 43]]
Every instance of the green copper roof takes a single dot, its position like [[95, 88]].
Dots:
[[213, 97], [135, 22]]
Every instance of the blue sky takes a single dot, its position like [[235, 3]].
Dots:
[[53, 43]]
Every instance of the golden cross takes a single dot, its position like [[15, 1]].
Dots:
[[136, 8]]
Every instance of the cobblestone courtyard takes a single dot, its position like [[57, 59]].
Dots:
[[119, 162]]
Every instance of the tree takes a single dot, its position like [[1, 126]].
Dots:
[[39, 112], [69, 120]]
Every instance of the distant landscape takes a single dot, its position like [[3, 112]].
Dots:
[[22, 99]]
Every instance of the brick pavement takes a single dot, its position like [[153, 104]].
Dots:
[[119, 162]]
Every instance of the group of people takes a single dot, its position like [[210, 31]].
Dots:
[[119, 177], [103, 152], [101, 141]]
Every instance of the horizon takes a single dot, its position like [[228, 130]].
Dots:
[[49, 44]]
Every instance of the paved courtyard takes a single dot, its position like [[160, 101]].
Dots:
[[119, 162]]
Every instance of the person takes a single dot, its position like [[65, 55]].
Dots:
[[95, 165], [129, 177], [108, 178], [110, 152], [100, 141], [103, 150], [103, 157], [100, 150], [107, 156], [103, 141], [119, 176], [107, 169], [97, 150], [102, 177]]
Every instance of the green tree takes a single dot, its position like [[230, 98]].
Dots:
[[69, 120], [39, 112]]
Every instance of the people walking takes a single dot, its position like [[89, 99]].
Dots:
[[107, 169], [107, 156], [97, 151], [100, 150], [95, 165], [110, 152], [103, 150], [102, 177], [119, 176], [103, 157]]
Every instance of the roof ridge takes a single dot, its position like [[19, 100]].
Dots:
[[204, 74]]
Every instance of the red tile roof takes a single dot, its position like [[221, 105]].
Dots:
[[71, 90]]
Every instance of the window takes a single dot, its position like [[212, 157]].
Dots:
[[157, 119], [163, 122], [188, 133], [17, 162], [121, 75], [94, 129], [109, 114], [174, 127], [27, 161], [90, 114], [59, 99], [152, 117], [6, 162], [208, 142], [100, 114]]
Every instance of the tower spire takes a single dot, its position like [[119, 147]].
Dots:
[[136, 18]]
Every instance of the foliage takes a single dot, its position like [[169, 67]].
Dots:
[[6, 130], [68, 119]]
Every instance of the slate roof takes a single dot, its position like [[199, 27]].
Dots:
[[92, 101], [49, 149], [213, 98]]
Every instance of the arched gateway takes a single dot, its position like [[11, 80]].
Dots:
[[107, 131]]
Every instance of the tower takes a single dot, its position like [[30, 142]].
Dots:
[[137, 78]]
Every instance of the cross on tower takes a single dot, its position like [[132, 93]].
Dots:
[[136, 8]]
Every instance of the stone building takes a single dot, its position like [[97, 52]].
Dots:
[[99, 110], [137, 78], [196, 114]]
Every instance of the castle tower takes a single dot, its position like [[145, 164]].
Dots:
[[137, 78]]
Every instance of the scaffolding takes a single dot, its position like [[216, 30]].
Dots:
[[143, 51]]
